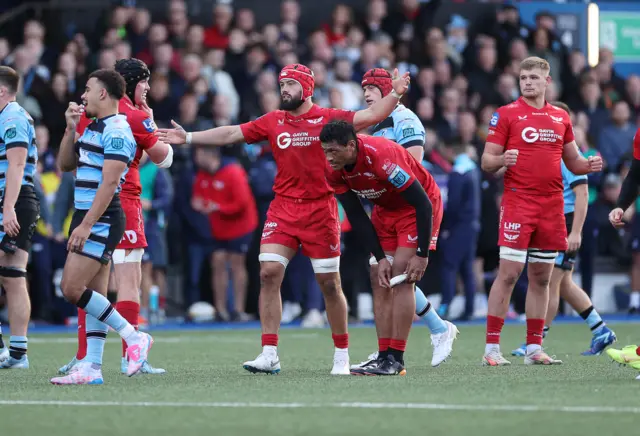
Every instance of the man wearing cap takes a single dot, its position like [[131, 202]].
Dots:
[[304, 211], [127, 257], [404, 128]]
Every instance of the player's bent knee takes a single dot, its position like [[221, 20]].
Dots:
[[324, 266], [120, 256], [374, 261]]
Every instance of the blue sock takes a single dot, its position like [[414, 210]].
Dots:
[[99, 307], [425, 311], [96, 336], [17, 346], [593, 319]]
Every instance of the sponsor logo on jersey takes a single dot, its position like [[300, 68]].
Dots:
[[494, 119], [409, 131], [522, 118], [370, 194], [531, 135], [117, 143], [316, 120], [334, 247], [11, 132], [298, 139], [130, 236], [412, 238], [270, 225]]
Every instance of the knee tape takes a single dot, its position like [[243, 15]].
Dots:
[[513, 254], [321, 266], [120, 256], [542, 256], [272, 257], [374, 261]]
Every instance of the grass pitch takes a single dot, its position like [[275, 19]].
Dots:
[[206, 391]]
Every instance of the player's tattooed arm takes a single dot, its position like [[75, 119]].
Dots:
[[383, 108], [418, 198], [216, 137], [577, 163], [361, 223]]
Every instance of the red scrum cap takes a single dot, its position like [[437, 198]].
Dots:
[[380, 78], [301, 74]]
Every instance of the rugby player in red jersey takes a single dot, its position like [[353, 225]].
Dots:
[[629, 355], [127, 257], [404, 223], [529, 137], [304, 211]]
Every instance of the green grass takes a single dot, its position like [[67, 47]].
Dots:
[[205, 367]]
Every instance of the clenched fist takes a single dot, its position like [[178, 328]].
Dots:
[[510, 158], [595, 164], [615, 217]]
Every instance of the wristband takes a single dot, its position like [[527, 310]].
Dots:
[[396, 95], [189, 138]]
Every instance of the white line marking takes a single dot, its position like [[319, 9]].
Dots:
[[423, 406], [171, 339]]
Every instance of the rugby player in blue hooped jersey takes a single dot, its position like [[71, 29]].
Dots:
[[19, 213], [404, 128], [101, 158]]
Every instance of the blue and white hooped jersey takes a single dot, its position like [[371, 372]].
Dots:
[[402, 127], [17, 130], [570, 181], [109, 138]]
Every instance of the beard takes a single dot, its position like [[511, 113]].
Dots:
[[292, 104]]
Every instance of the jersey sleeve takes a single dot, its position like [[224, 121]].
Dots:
[[409, 131], [568, 133], [392, 167], [336, 181], [636, 145], [143, 129], [118, 145], [258, 129], [571, 179], [339, 114], [14, 131], [499, 128], [82, 124]]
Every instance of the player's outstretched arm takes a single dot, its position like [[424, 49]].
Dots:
[[493, 157], [216, 137], [577, 163], [383, 108], [361, 223]]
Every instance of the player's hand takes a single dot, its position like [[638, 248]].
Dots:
[[211, 207], [400, 83], [10, 222], [510, 158], [78, 238], [72, 114], [144, 107], [574, 241], [59, 237], [175, 136], [197, 204], [595, 164], [615, 217], [384, 273], [415, 268], [146, 204]]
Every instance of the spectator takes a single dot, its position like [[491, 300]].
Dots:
[[483, 77], [138, 30], [217, 36], [447, 120], [221, 190], [374, 17], [592, 105], [350, 90], [337, 29], [616, 138], [633, 94], [194, 43]]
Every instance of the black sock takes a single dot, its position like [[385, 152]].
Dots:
[[383, 354], [397, 354], [1, 341], [584, 315]]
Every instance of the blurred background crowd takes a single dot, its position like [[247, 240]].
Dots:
[[215, 63]]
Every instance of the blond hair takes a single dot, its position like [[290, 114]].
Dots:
[[534, 62]]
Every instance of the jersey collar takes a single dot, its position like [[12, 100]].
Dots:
[[308, 114]]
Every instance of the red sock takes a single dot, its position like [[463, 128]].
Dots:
[[130, 310], [269, 339], [638, 351], [398, 344], [341, 341], [82, 334], [494, 328], [383, 344], [535, 328]]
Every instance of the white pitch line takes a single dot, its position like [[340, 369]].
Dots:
[[358, 405], [170, 339]]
